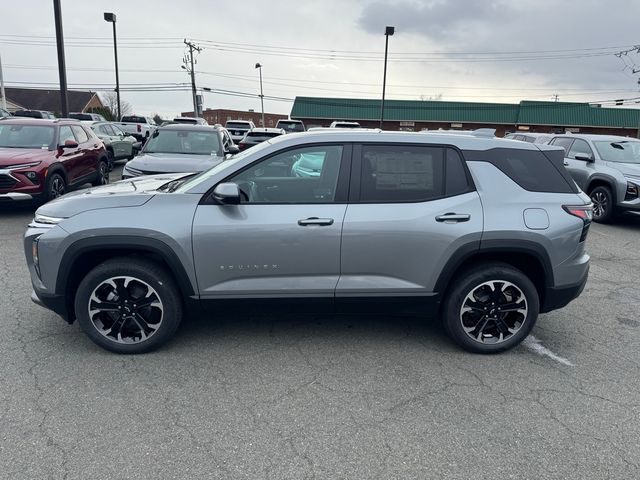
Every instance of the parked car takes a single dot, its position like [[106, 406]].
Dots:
[[34, 114], [87, 117], [530, 137], [43, 159], [119, 145], [291, 126], [485, 232], [339, 124], [258, 135], [138, 127], [4, 113], [238, 129], [607, 168], [190, 120], [181, 148]]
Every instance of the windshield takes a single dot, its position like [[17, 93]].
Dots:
[[184, 142], [291, 126], [190, 121], [26, 136], [623, 151], [220, 167]]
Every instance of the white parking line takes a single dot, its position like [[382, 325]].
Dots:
[[533, 344]]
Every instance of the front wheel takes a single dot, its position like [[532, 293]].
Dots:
[[56, 186], [491, 308], [602, 199], [128, 305]]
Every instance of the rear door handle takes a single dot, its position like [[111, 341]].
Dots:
[[453, 217], [315, 221]]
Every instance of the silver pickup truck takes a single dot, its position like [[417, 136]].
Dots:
[[138, 127]]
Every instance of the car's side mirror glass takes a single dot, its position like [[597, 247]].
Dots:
[[227, 194], [69, 144], [584, 157]]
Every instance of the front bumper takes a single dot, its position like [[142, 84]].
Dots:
[[55, 303], [15, 196]]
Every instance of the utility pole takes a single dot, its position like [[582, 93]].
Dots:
[[556, 97], [192, 46], [387, 33], [259, 67], [111, 18], [62, 69], [2, 95]]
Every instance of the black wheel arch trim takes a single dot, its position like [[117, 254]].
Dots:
[[474, 248], [120, 242], [610, 181]]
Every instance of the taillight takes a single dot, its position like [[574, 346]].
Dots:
[[584, 213], [139, 128]]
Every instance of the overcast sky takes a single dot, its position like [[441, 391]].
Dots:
[[457, 49]]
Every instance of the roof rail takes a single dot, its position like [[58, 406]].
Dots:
[[484, 132]]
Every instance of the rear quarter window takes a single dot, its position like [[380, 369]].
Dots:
[[535, 171]]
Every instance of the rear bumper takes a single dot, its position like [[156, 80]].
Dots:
[[558, 297]]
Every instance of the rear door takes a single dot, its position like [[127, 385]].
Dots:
[[411, 207], [283, 240]]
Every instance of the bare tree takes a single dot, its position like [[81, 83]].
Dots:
[[110, 101]]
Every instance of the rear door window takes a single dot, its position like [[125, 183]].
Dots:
[[562, 142], [401, 173]]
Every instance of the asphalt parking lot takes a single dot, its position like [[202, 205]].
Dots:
[[308, 396]]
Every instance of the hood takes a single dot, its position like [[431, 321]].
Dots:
[[172, 162], [126, 193], [13, 156], [630, 169]]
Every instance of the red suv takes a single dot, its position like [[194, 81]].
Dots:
[[43, 159]]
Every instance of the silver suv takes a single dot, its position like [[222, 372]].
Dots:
[[484, 232], [607, 168]]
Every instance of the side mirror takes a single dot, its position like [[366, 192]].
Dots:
[[227, 194], [69, 144], [233, 149], [584, 157]]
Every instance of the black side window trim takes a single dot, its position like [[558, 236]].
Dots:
[[356, 171], [344, 175]]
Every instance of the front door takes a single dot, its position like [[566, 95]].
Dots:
[[283, 240], [580, 169], [412, 207], [71, 158]]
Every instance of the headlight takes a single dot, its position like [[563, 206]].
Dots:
[[24, 165], [632, 191], [44, 219], [131, 171]]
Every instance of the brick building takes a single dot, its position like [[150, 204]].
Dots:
[[526, 116], [221, 116]]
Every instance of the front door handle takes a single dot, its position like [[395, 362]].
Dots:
[[315, 221], [453, 217], [566, 164]]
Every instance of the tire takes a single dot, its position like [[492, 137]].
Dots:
[[102, 174], [118, 286], [502, 330], [110, 159], [55, 186], [603, 204]]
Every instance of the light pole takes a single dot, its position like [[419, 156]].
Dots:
[[259, 67], [111, 18], [387, 33], [62, 69]]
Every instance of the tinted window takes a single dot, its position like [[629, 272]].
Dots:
[[456, 176], [304, 175], [81, 135], [240, 125], [290, 126], [562, 142], [580, 147], [66, 134], [81, 116], [133, 119], [398, 173], [530, 169]]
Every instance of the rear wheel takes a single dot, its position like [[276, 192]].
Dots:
[[128, 305], [603, 206], [491, 308], [102, 175]]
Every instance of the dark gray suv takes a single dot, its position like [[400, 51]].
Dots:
[[485, 233], [607, 168]]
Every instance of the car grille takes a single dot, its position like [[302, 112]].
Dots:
[[7, 181]]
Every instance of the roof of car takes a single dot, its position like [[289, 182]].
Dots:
[[595, 137], [41, 121], [464, 141], [189, 126], [267, 130]]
